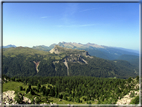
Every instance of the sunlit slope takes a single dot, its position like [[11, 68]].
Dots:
[[23, 61], [105, 52]]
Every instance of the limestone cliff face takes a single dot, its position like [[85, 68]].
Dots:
[[58, 49], [86, 54], [54, 50], [72, 55], [74, 59]]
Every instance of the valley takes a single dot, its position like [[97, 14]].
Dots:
[[71, 53], [24, 61], [69, 75]]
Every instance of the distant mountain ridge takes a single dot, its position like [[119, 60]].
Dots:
[[83, 46], [9, 46], [75, 45], [105, 52]]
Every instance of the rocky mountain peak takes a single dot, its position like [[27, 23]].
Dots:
[[57, 49]]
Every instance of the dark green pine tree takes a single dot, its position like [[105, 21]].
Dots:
[[52, 92], [29, 86], [60, 96], [38, 86], [129, 79], [32, 92], [21, 88], [47, 92]]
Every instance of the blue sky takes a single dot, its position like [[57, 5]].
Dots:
[[109, 24]]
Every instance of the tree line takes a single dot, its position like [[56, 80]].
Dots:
[[80, 88]]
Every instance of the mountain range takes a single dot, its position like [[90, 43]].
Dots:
[[63, 61], [105, 52], [9, 46]]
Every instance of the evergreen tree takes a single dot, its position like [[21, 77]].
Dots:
[[70, 98], [29, 86], [32, 101], [21, 88], [135, 100], [19, 98], [32, 92], [137, 78], [60, 96], [129, 79], [37, 100], [47, 92], [27, 90], [52, 92], [38, 86], [65, 97]]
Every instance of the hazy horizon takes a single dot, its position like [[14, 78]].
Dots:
[[68, 42], [108, 24]]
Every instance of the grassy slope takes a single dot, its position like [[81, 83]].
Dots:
[[11, 85]]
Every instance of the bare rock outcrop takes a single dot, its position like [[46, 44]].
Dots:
[[126, 99], [37, 64], [58, 49], [76, 58], [66, 64], [25, 99], [54, 62], [9, 98], [72, 55], [55, 50], [84, 61]]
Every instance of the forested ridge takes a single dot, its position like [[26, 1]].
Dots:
[[20, 61], [91, 80]]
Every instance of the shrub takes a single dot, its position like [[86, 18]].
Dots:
[[129, 79], [21, 88], [19, 98], [132, 94], [60, 96], [135, 100], [37, 100]]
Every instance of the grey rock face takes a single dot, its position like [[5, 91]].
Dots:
[[8, 98]]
